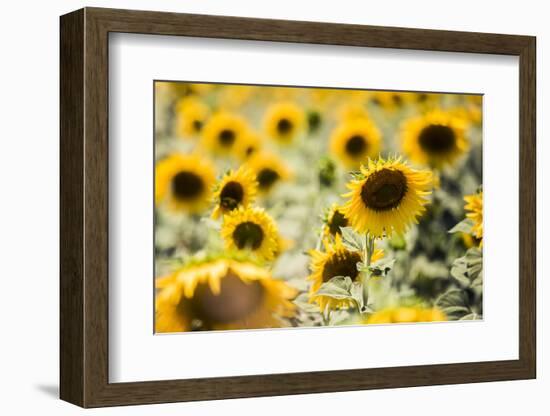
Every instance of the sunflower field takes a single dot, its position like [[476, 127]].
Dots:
[[296, 207]]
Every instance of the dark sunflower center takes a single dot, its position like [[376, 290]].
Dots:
[[250, 150], [236, 300], [338, 220], [313, 121], [267, 177], [227, 137], [384, 189], [341, 264], [356, 145], [197, 125], [284, 126], [187, 185], [437, 139], [231, 195], [248, 235], [397, 100]]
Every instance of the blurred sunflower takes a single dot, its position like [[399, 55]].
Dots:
[[474, 206], [220, 294], [333, 220], [435, 139], [388, 100], [184, 182], [406, 315], [352, 111], [251, 230], [269, 170], [250, 145], [354, 141], [386, 196], [336, 260], [236, 189], [191, 114], [284, 121], [223, 133]]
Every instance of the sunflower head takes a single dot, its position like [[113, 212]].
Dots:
[[389, 100], [406, 314], [436, 139], [284, 121], [191, 115], [184, 182], [474, 211], [386, 196], [222, 293], [223, 133], [251, 230], [269, 170], [333, 221], [354, 141], [236, 189], [250, 145]]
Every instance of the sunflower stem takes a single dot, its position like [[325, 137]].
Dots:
[[368, 252]]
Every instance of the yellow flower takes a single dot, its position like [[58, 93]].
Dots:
[[184, 182], [269, 170], [388, 100], [222, 294], [223, 133], [191, 114], [474, 206], [436, 139], [333, 220], [354, 141], [284, 121], [250, 145], [236, 189], [387, 196], [251, 230], [406, 315], [336, 260], [234, 96]]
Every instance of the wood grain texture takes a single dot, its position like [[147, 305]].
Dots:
[[84, 207]]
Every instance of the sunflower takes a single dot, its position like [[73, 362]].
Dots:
[[474, 206], [386, 196], [333, 220], [250, 145], [236, 189], [404, 314], [336, 260], [191, 115], [220, 294], [388, 100], [269, 170], [284, 121], [436, 139], [252, 230], [184, 182], [223, 133], [354, 141]]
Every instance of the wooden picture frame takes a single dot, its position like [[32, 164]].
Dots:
[[84, 207]]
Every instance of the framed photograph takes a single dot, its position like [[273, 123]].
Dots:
[[257, 207]]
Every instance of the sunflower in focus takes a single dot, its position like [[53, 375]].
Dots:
[[436, 139], [269, 170], [236, 189], [191, 115], [184, 182], [474, 206], [251, 230], [386, 196], [354, 141], [220, 294], [405, 314], [223, 133], [333, 220], [284, 121], [336, 260]]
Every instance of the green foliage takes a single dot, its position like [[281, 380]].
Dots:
[[468, 270], [464, 226]]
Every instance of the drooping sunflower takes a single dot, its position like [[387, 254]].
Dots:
[[336, 260], [251, 230], [220, 294], [184, 182], [223, 133], [474, 206], [269, 170], [354, 141], [191, 114], [333, 220], [405, 314], [436, 139], [284, 121], [236, 189], [386, 196]]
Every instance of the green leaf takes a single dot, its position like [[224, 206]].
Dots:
[[356, 292], [464, 226], [468, 270], [382, 267], [454, 303], [470, 317], [338, 287], [302, 301], [351, 240]]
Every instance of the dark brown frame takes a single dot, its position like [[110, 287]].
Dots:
[[84, 207]]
